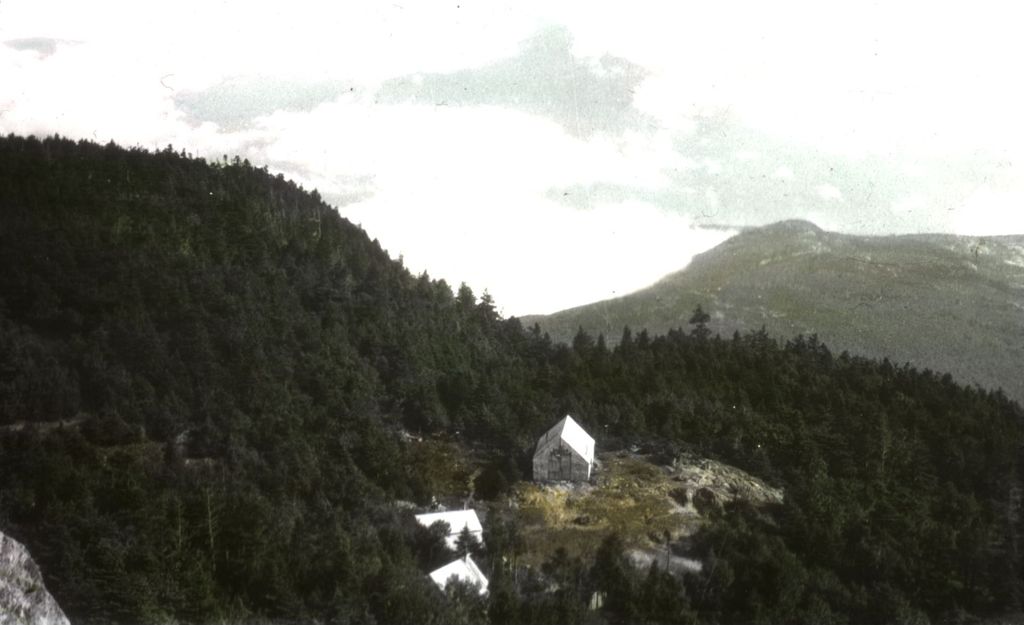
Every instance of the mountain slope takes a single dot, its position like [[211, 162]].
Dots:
[[952, 304]]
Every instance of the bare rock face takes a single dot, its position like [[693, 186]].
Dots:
[[23, 598], [714, 483]]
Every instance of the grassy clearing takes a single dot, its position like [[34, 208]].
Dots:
[[631, 497]]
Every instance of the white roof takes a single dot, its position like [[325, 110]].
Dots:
[[464, 569], [574, 436], [456, 520]]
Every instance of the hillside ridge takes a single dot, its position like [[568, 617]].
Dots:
[[890, 297]]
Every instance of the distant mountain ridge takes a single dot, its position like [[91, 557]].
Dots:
[[945, 302]]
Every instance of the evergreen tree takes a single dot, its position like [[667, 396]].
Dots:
[[467, 544], [699, 321]]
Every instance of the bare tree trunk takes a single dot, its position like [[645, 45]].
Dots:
[[209, 530]]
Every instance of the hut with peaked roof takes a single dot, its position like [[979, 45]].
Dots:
[[564, 453], [456, 520], [463, 569]]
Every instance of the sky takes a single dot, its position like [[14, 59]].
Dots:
[[554, 154]]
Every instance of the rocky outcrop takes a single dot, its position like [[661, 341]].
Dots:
[[720, 482], [23, 598]]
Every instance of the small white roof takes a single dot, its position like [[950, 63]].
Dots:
[[456, 520], [464, 569], [574, 436]]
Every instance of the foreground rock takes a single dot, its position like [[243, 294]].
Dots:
[[23, 598]]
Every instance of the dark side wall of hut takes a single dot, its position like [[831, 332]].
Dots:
[[555, 461]]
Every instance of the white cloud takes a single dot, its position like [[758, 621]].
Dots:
[[912, 202], [712, 198], [783, 173], [851, 79], [828, 192], [95, 91], [472, 153], [465, 200], [540, 256], [989, 212], [836, 77], [713, 166], [914, 169], [206, 41]]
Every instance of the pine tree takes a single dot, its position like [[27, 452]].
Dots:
[[699, 320]]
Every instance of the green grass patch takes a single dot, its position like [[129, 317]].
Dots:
[[631, 497]]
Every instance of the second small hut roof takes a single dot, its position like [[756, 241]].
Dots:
[[456, 520]]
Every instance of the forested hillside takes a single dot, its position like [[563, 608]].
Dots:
[[206, 373]]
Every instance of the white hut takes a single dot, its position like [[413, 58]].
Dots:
[[564, 453], [456, 520], [464, 569]]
